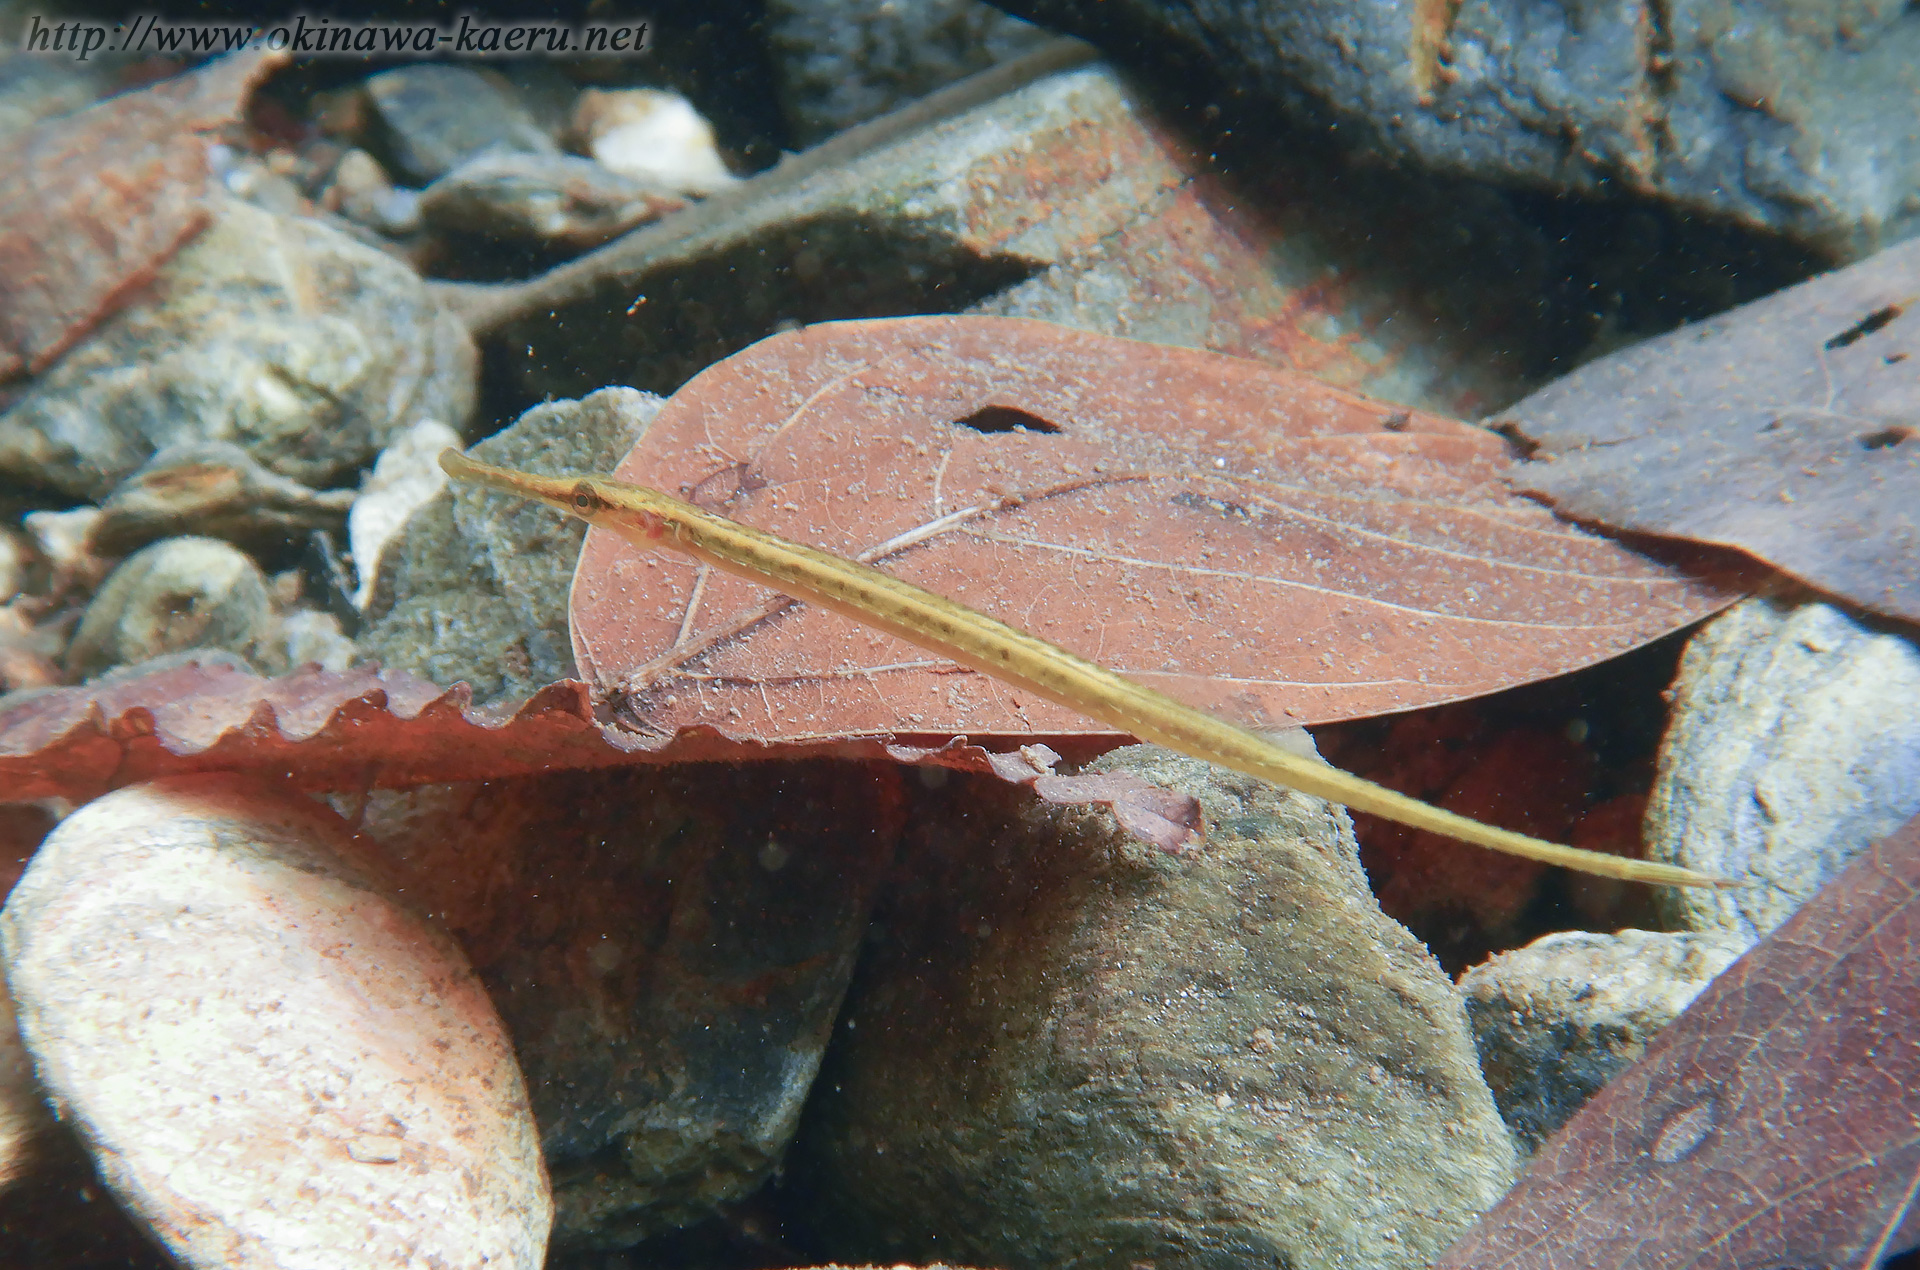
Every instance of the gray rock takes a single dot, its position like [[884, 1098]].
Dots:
[[277, 334], [552, 200], [360, 191], [672, 988], [177, 594], [274, 1062], [304, 637], [1794, 743], [1556, 1020], [1793, 119], [1044, 189], [842, 62], [213, 489], [475, 587], [1067, 1048], [433, 117]]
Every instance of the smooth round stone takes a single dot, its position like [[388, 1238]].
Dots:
[[177, 594], [274, 1063]]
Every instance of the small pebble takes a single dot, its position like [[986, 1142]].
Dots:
[[27, 651], [654, 136], [65, 542], [272, 1061], [1556, 1020], [405, 478], [360, 191], [179, 593], [1794, 742], [306, 637]]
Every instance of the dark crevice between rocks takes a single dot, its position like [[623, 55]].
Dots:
[[62, 1215]]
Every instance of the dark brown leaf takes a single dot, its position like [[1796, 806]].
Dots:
[[1789, 428], [1774, 1124], [363, 728], [95, 202], [1251, 540]]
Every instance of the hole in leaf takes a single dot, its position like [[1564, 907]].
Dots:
[[1887, 438], [1006, 419], [1874, 321]]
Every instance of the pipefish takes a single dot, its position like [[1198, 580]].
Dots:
[[652, 519]]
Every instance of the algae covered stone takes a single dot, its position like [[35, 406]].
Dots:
[[1070, 1048]]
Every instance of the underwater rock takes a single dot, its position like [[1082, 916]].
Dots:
[[213, 489], [549, 200], [430, 118], [1556, 1020], [65, 541], [1042, 188], [652, 137], [1793, 120], [669, 948], [1065, 1047], [843, 62], [305, 637], [475, 586], [360, 191], [33, 88], [177, 594], [29, 651], [273, 1062], [278, 334], [1794, 742], [404, 479]]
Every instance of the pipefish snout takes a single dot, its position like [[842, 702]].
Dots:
[[990, 646]]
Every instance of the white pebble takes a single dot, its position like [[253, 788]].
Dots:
[[653, 136], [405, 478]]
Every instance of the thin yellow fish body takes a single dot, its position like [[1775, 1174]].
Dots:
[[988, 645]]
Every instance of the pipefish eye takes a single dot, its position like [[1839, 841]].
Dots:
[[584, 499]]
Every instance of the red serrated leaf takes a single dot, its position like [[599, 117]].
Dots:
[[1253, 541], [1775, 1123], [364, 728]]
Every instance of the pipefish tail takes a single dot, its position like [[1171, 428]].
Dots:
[[990, 646]]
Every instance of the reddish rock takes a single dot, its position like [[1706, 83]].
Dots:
[[273, 1062]]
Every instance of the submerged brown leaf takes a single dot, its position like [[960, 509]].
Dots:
[[1789, 428], [1252, 541], [95, 202], [1775, 1123]]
